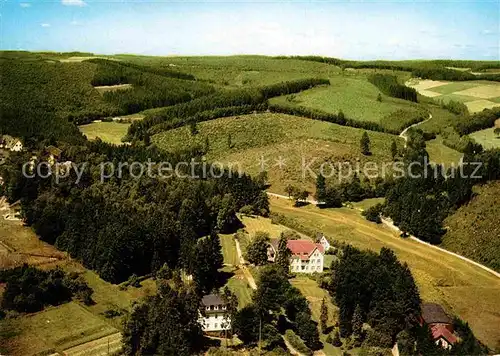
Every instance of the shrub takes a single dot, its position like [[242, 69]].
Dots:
[[373, 213], [297, 342]]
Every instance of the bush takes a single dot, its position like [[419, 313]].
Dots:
[[29, 289], [373, 213], [297, 342]]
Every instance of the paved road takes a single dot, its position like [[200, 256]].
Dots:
[[389, 223]]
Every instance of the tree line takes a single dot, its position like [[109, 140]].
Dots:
[[29, 289], [388, 84], [121, 65]]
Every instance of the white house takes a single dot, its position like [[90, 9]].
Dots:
[[307, 256], [215, 318], [323, 241], [11, 143]]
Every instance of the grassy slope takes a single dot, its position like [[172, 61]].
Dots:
[[355, 96], [439, 153], [274, 135], [486, 138], [238, 71], [473, 230], [111, 132], [460, 287]]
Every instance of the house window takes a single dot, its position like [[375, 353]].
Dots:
[[216, 307], [211, 307], [319, 260], [215, 326], [303, 267]]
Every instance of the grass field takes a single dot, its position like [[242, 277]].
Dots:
[[441, 154], [356, 97], [477, 95], [462, 288], [271, 136], [239, 286], [486, 138], [229, 250], [473, 230], [55, 329], [111, 132], [314, 295], [239, 71], [441, 118]]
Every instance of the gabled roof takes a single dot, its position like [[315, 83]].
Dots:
[[212, 299], [440, 331], [434, 313], [303, 248]]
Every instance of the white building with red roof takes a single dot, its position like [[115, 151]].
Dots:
[[306, 256]]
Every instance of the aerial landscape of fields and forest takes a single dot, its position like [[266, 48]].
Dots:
[[244, 204]]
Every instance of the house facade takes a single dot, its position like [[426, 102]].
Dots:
[[440, 323], [306, 256], [321, 239], [214, 318], [10, 143]]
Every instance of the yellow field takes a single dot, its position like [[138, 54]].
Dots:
[[462, 288], [56, 329], [474, 94], [483, 91], [258, 223], [111, 132]]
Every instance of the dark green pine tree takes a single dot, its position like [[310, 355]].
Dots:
[[394, 149], [320, 188], [365, 144], [284, 254], [323, 317], [208, 260], [336, 339], [357, 321]]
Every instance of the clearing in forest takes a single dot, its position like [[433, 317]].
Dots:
[[357, 98], [111, 132], [249, 142]]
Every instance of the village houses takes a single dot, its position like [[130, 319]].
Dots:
[[306, 256]]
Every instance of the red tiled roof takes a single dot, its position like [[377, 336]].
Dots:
[[439, 331], [303, 248]]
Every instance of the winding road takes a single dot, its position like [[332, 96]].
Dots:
[[403, 133]]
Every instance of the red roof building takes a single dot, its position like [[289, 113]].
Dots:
[[306, 256]]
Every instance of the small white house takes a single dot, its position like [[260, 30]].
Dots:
[[323, 241], [215, 319], [306, 256], [10, 143]]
